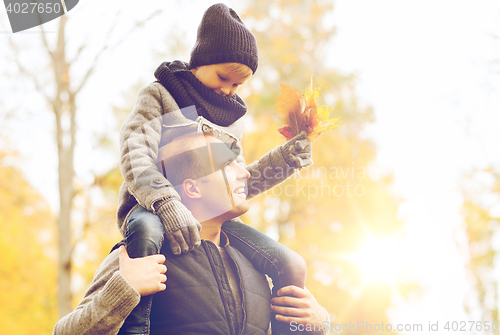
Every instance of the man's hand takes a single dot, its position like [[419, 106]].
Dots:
[[145, 274], [296, 304]]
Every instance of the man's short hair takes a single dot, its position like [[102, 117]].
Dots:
[[191, 157]]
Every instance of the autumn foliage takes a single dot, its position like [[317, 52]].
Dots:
[[27, 246], [301, 112]]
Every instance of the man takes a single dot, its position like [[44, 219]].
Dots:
[[211, 290]]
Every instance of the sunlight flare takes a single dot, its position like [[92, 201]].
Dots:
[[379, 259]]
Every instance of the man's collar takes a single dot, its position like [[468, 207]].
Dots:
[[224, 240]]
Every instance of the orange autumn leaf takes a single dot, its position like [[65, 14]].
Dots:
[[301, 112]]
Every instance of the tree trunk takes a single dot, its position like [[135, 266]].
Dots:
[[64, 108]]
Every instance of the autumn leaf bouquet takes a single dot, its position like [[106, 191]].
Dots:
[[301, 113]]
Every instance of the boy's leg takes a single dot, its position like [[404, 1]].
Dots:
[[284, 266], [144, 237]]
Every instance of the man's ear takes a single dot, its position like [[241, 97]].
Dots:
[[191, 189]]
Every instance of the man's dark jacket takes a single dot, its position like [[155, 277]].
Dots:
[[198, 299]]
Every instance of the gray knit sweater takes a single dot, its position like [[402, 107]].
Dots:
[[106, 304], [155, 119]]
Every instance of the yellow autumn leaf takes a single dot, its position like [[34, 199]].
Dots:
[[289, 100], [311, 96], [322, 127], [324, 113], [301, 112]]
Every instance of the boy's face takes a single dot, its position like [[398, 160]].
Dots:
[[221, 78]]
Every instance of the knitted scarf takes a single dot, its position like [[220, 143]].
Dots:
[[187, 90]]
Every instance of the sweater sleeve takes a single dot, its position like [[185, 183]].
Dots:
[[105, 305], [269, 171], [140, 137]]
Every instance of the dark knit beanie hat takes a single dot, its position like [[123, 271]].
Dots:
[[223, 38]]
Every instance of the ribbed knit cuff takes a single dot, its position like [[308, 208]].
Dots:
[[119, 295], [278, 161], [174, 215]]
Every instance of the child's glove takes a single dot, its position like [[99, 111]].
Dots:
[[298, 151], [181, 228]]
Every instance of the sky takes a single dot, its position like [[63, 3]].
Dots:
[[428, 70], [426, 67]]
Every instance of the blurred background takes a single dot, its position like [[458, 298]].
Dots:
[[397, 218]]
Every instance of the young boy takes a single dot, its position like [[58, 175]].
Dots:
[[200, 96]]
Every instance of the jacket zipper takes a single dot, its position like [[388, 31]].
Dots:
[[243, 322], [207, 246]]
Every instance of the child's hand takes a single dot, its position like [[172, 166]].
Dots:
[[298, 151], [296, 304], [145, 274], [181, 228], [184, 239]]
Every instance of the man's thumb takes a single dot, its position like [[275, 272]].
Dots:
[[123, 254]]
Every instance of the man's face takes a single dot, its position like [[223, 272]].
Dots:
[[224, 191], [220, 78]]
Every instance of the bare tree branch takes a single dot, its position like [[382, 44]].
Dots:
[[79, 50], [45, 43], [24, 71], [138, 24], [84, 45]]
